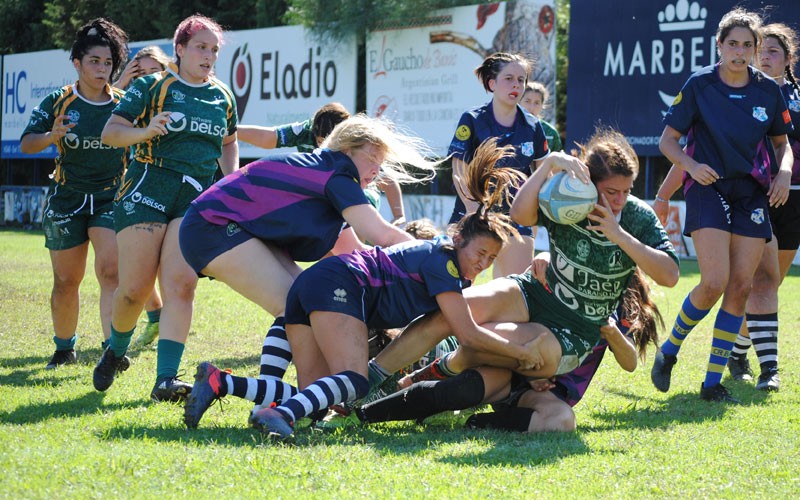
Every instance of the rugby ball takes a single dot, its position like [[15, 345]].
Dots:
[[565, 200]]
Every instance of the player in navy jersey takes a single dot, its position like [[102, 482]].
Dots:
[[182, 125], [505, 76], [79, 205], [333, 303], [729, 107], [776, 57], [593, 264]]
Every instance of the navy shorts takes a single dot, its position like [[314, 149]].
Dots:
[[327, 286], [737, 206], [786, 222], [201, 241]]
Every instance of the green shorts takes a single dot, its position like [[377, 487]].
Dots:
[[576, 335], [68, 215], [152, 194]]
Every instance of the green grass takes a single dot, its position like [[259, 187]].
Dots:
[[59, 437]]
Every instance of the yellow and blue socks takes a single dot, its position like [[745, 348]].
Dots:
[[764, 335], [688, 317], [726, 328], [119, 341], [169, 358]]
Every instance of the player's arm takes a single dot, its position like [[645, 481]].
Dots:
[[33, 143], [456, 311], [394, 196], [779, 188], [121, 133], [669, 144], [621, 345], [368, 224], [671, 183], [525, 207], [263, 137], [348, 242], [230, 155]]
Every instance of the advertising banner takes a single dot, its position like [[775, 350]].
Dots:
[[278, 76], [628, 60], [421, 75]]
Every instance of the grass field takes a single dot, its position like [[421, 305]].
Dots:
[[61, 438]]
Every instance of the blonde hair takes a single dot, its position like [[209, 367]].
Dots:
[[155, 53], [400, 149]]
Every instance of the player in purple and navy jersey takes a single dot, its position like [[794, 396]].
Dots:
[[333, 303]]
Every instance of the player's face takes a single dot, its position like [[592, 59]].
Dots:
[[94, 68], [148, 66], [616, 190], [368, 160], [772, 58], [477, 255], [509, 84], [198, 56], [737, 50], [532, 101]]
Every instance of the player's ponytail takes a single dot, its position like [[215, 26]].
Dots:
[[489, 185], [641, 313], [101, 32]]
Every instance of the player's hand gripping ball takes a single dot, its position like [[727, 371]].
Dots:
[[565, 200]]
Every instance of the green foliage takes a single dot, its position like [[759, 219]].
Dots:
[[61, 438], [562, 65]]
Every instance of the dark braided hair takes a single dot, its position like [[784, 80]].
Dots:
[[787, 38], [101, 32], [641, 313], [488, 186], [494, 64]]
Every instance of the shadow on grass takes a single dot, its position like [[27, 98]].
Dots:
[[88, 404], [217, 434], [679, 408]]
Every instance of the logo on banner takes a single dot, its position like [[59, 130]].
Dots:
[[240, 77], [682, 16]]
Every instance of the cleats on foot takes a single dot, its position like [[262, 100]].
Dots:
[[206, 390], [107, 368], [60, 358], [662, 370]]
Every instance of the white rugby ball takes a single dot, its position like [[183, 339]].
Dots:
[[566, 200]]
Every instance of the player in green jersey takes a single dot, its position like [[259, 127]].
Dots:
[[182, 124], [591, 267], [88, 172]]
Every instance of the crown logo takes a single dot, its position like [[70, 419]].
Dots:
[[682, 16]]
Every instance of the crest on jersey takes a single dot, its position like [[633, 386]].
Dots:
[[452, 270], [757, 216], [760, 113], [794, 106], [463, 132], [73, 116], [526, 148]]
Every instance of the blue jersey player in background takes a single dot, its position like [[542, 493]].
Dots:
[[729, 108]]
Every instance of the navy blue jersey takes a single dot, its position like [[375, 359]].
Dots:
[[729, 123], [792, 96], [526, 135], [401, 282], [293, 200]]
